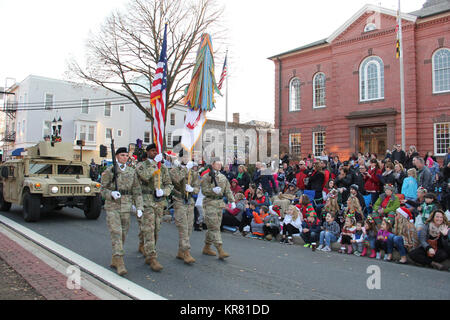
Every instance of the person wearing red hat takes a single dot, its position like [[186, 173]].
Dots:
[[404, 235]]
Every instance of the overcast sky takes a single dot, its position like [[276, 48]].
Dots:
[[40, 36]]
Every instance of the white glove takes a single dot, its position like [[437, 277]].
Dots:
[[176, 163], [217, 190], [159, 192], [133, 208], [189, 188], [115, 194], [190, 165], [233, 206], [158, 157], [139, 213]]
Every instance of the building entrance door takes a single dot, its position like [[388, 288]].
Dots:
[[373, 140]]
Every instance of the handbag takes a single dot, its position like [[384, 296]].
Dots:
[[433, 244]]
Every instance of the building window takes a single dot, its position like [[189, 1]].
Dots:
[[91, 134], [146, 137], [83, 132], [319, 90], [295, 144], [169, 139], [119, 133], [371, 74], [318, 143], [121, 108], [208, 137], [47, 129], [441, 138], [370, 27], [85, 106], [108, 133], [172, 119], [108, 109], [48, 101], [441, 71], [294, 95]]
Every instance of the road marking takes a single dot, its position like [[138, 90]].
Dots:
[[111, 278]]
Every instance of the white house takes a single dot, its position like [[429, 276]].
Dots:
[[88, 113]]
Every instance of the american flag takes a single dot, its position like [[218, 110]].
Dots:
[[158, 96], [224, 73]]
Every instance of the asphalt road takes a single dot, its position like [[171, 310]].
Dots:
[[255, 270]]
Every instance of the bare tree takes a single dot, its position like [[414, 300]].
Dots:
[[126, 49]]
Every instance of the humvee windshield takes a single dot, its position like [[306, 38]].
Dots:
[[70, 169], [40, 168]]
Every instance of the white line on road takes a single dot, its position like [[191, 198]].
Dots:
[[130, 288]]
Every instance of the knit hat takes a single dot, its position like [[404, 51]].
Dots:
[[311, 214], [389, 187], [275, 210], [406, 213], [121, 150], [354, 187]]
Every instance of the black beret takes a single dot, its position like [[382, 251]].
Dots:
[[151, 146], [121, 150]]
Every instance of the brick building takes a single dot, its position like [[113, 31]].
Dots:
[[342, 93]]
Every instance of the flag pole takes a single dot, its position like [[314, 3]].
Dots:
[[402, 79], [226, 113]]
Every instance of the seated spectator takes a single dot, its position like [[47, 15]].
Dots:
[[328, 187], [331, 205], [358, 239], [305, 206], [347, 235], [316, 181], [310, 230], [301, 175], [354, 209], [387, 177], [354, 191], [424, 176], [404, 235], [330, 233], [284, 200], [386, 205], [243, 177], [415, 204], [399, 176], [250, 193], [261, 199], [267, 181], [292, 224], [372, 180], [409, 186], [233, 217], [433, 241], [271, 225], [257, 224], [425, 209], [234, 187], [370, 236], [344, 181], [382, 238], [281, 180]]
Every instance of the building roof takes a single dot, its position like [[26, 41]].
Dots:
[[432, 7]]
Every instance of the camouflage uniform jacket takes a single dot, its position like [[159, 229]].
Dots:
[[146, 172], [129, 188], [180, 179], [208, 185]]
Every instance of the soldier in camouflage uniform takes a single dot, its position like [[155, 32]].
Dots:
[[154, 192], [118, 204], [186, 183], [214, 187]]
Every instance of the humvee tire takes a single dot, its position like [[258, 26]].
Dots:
[[4, 205], [93, 207], [31, 207]]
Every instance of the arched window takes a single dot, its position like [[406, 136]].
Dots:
[[370, 27], [371, 75], [319, 90], [441, 71], [294, 95]]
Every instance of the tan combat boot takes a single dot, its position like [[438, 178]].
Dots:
[[141, 248], [208, 251], [154, 264], [222, 253], [120, 266], [113, 262], [188, 259], [180, 254]]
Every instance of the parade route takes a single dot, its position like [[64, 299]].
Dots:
[[256, 269]]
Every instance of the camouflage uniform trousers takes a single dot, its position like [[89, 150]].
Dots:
[[213, 219], [184, 220], [118, 224], [149, 226]]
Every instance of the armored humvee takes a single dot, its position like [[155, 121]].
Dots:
[[46, 179]]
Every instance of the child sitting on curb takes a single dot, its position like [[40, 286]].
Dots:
[[258, 222], [271, 225], [292, 224], [370, 236], [330, 233], [347, 234], [382, 239], [310, 230], [358, 239]]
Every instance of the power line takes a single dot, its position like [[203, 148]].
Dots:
[[62, 102], [71, 106]]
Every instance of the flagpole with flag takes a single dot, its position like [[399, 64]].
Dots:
[[158, 100], [399, 55], [222, 77]]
